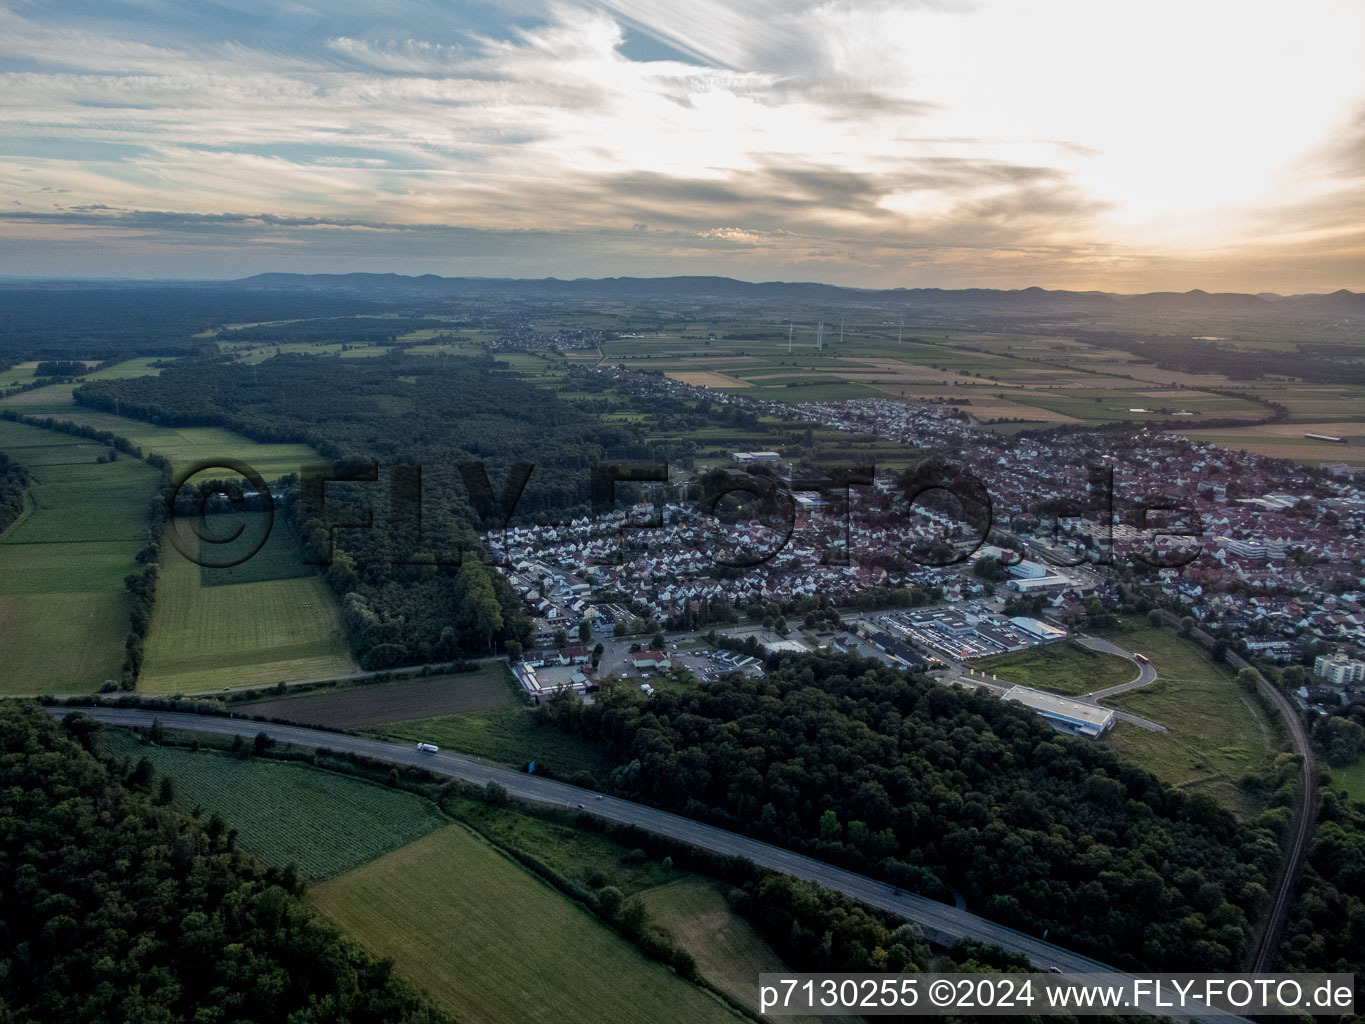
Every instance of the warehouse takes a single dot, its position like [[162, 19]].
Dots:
[[1065, 715]]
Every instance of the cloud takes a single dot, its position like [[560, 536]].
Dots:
[[807, 132]]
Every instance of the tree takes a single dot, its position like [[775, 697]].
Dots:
[[830, 829], [513, 649], [609, 900], [584, 631], [1155, 619], [561, 638]]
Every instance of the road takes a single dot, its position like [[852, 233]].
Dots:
[[1146, 673], [941, 923]]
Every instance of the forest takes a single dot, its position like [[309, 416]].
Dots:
[[402, 426], [104, 322], [1326, 930], [936, 790], [115, 906]]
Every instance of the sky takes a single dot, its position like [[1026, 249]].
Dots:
[[1121, 146]]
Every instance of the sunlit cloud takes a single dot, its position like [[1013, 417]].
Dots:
[[1067, 144]]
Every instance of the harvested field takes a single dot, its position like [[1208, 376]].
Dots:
[[708, 379], [377, 703]]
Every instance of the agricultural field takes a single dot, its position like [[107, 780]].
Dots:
[[354, 707], [995, 378], [285, 812], [63, 608], [1218, 735], [490, 942], [212, 635], [1064, 667], [184, 446], [509, 735], [1286, 441]]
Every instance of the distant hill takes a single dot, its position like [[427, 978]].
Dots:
[[1021, 300]]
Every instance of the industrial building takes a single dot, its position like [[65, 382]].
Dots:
[[1065, 715]]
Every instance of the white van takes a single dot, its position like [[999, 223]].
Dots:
[[428, 748]]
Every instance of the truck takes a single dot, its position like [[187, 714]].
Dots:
[[1142, 658], [428, 748]]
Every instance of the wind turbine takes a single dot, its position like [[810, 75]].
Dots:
[[819, 337], [841, 330], [790, 327]]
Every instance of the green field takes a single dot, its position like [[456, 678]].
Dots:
[[1350, 781], [1065, 667], [581, 855], [325, 822], [63, 609], [278, 558], [214, 636], [1218, 734], [509, 736], [490, 942]]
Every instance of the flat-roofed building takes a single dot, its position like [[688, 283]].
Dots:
[[1066, 715], [1037, 628]]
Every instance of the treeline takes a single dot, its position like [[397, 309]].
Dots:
[[1326, 929], [59, 368], [115, 906], [412, 586], [104, 322], [141, 584], [936, 790], [14, 480]]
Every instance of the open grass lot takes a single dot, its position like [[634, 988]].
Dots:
[[63, 609], [323, 821], [492, 943], [507, 735], [246, 634], [375, 703], [1064, 667], [1351, 781], [577, 854], [730, 954], [1218, 734]]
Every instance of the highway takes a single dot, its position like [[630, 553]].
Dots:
[[941, 923]]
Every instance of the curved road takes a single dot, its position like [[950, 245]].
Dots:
[[1146, 673], [941, 923]]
